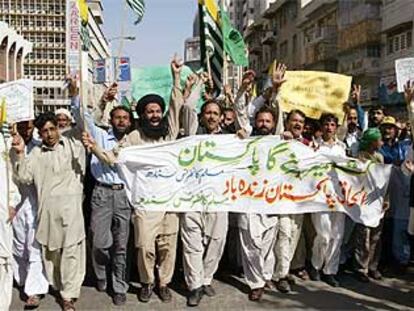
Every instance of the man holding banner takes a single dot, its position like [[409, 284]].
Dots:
[[111, 211], [204, 234], [258, 232], [155, 232], [329, 226]]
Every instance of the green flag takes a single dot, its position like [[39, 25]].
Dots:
[[156, 80], [233, 41]]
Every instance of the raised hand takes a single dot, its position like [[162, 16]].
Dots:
[[176, 65], [110, 93], [88, 141], [409, 92], [248, 80], [356, 93], [17, 143], [191, 80], [278, 75], [204, 77], [72, 86]]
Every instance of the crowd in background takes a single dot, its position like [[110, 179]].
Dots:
[[72, 202]]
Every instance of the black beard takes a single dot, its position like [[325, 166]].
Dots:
[[260, 132], [119, 134], [231, 128], [154, 132]]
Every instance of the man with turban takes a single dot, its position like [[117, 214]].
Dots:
[[368, 240], [155, 232]]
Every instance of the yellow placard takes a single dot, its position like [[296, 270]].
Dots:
[[315, 92]]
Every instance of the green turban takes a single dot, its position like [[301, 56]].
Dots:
[[368, 137]]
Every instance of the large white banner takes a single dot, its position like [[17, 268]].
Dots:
[[257, 175]]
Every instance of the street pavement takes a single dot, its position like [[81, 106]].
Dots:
[[389, 294]]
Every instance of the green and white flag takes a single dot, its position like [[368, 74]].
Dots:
[[138, 6], [234, 44], [211, 41]]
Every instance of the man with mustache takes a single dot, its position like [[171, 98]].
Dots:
[[155, 232], [290, 226], [111, 211], [28, 267], [204, 234], [329, 226], [258, 232], [354, 123], [56, 168]]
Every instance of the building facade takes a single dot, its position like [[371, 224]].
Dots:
[[13, 50], [43, 23], [397, 42], [359, 45]]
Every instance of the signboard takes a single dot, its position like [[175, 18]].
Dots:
[[122, 69], [73, 40], [99, 71]]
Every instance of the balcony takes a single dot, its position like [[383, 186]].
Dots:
[[320, 52], [367, 31], [269, 37], [325, 33], [360, 66]]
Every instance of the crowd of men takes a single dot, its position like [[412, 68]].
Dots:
[[42, 226]]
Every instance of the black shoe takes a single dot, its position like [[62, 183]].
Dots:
[[283, 286], [145, 293], [330, 279], [209, 290], [314, 274], [119, 299], [362, 277], [291, 279], [194, 297], [101, 286], [256, 294], [376, 275], [165, 294]]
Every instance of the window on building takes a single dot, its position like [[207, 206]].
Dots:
[[409, 39], [374, 51], [396, 43], [283, 50], [403, 41]]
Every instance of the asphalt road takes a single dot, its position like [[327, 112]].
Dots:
[[389, 294]]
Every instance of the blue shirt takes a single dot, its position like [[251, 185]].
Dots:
[[105, 139], [396, 153]]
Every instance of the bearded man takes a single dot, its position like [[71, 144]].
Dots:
[[155, 232]]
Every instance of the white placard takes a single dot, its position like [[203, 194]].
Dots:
[[404, 69], [19, 100]]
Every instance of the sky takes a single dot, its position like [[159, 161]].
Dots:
[[162, 32]]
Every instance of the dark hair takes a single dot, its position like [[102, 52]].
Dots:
[[295, 111], [375, 108], [42, 119], [266, 109], [123, 108], [228, 109], [328, 117], [211, 101]]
